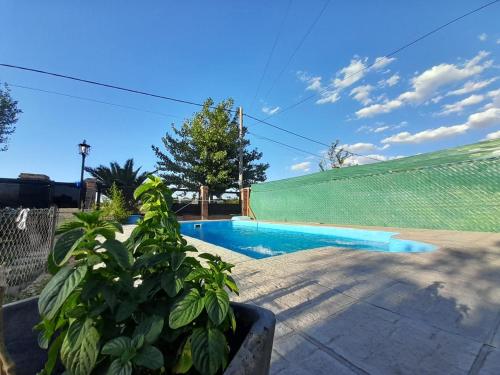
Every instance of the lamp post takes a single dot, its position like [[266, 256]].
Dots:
[[83, 149]]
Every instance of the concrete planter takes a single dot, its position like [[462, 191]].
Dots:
[[251, 353]]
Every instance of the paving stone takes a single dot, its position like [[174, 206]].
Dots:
[[385, 345], [442, 305], [294, 348], [321, 363], [491, 364], [281, 329], [304, 316]]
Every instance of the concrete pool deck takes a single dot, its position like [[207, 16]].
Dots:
[[359, 312]]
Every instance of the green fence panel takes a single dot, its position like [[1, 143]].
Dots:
[[457, 189]]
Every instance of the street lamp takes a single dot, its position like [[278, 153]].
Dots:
[[83, 149]]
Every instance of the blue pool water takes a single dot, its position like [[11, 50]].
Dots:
[[261, 240]]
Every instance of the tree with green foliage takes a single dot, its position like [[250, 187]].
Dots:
[[336, 157], [115, 207], [204, 152], [9, 115], [126, 179]]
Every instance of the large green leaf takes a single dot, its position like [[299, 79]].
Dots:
[[209, 348], [149, 357], [231, 284], [117, 346], [186, 309], [176, 259], [185, 361], [117, 368], [118, 251], [58, 289], [53, 354], [150, 327], [217, 305], [125, 309], [142, 189], [199, 273], [107, 233], [69, 225], [171, 283], [66, 244], [80, 348]]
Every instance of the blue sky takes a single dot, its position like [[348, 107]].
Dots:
[[441, 92]]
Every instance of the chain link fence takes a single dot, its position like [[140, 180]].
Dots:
[[26, 237]]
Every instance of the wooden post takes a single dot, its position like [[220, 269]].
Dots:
[[245, 201], [204, 202], [240, 164]]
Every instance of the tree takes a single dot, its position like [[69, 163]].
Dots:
[[9, 113], [335, 157], [204, 151], [115, 206], [125, 178]]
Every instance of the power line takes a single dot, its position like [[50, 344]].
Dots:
[[93, 100], [269, 58], [303, 39], [156, 96], [307, 138], [284, 144], [126, 89], [394, 52], [286, 130]]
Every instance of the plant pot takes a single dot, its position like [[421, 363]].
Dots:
[[250, 347]]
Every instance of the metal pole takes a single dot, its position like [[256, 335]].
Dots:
[[82, 205], [240, 164]]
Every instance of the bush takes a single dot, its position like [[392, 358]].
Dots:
[[115, 208], [144, 306]]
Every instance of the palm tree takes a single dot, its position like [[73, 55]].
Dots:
[[126, 178]]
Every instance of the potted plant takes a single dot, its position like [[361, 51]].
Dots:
[[144, 306]]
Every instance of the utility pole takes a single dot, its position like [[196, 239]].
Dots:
[[240, 164]]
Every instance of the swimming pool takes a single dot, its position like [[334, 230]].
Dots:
[[260, 240]]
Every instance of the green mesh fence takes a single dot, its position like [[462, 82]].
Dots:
[[456, 189]]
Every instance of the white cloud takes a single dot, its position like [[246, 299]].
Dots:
[[360, 147], [350, 74], [459, 106], [382, 62], [391, 81], [482, 37], [471, 86], [495, 99], [426, 84], [486, 118], [304, 166], [328, 97], [362, 94], [313, 82], [437, 99], [344, 78], [369, 159], [498, 41], [426, 135], [381, 127], [270, 111], [378, 108], [494, 135]]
